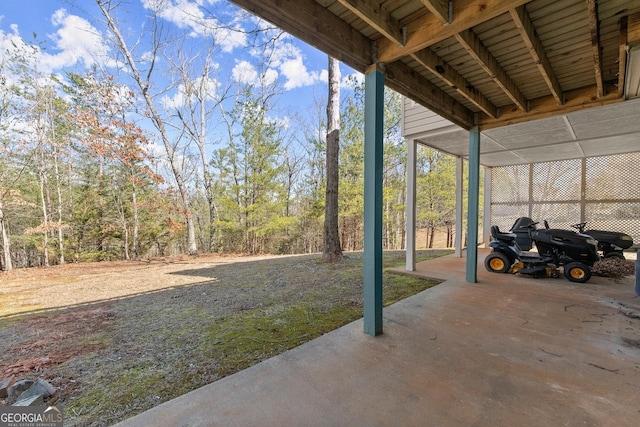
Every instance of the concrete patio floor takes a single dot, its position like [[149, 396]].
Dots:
[[507, 351]]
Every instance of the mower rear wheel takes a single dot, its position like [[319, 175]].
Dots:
[[497, 262], [577, 272], [614, 255]]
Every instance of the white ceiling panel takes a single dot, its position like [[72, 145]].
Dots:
[[551, 153], [629, 108], [612, 145], [595, 129], [505, 158], [527, 128], [613, 129], [543, 136]]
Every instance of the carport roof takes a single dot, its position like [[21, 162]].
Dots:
[[612, 129], [542, 79], [485, 63]]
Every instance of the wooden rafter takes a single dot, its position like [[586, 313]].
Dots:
[[594, 27], [545, 107], [428, 31], [439, 8], [377, 16], [406, 81], [473, 45], [446, 73], [633, 29], [309, 21], [336, 38], [528, 33], [632, 36]]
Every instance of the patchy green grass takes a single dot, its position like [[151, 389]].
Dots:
[[164, 344]]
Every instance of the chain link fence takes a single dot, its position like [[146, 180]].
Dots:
[[601, 191]]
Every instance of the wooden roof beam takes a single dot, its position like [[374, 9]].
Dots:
[[446, 73], [545, 107], [428, 31], [528, 33], [311, 22], [633, 29], [473, 45], [594, 27], [378, 17], [440, 9], [631, 35], [401, 78]]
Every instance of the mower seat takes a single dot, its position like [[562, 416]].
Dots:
[[503, 237]]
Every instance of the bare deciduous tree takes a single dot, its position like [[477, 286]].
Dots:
[[332, 250], [144, 83]]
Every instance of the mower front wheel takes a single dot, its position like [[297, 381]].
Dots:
[[497, 262], [577, 272]]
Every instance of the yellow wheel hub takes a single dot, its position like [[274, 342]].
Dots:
[[577, 273], [496, 264]]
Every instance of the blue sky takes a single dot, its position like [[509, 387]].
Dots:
[[75, 37]]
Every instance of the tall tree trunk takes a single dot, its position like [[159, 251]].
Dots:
[[60, 216], [6, 244], [332, 250], [208, 179], [136, 220], [433, 236], [45, 219]]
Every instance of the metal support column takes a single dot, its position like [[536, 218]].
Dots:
[[486, 218], [530, 207], [373, 170], [472, 208], [457, 244], [412, 148]]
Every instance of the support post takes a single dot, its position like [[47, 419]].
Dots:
[[530, 205], [583, 190], [373, 170], [412, 148], [486, 223], [457, 244], [472, 209]]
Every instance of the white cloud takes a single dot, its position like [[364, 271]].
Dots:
[[269, 77], [11, 42], [245, 72], [75, 41], [282, 122], [189, 14], [297, 74], [289, 59]]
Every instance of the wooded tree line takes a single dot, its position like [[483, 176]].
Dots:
[[96, 166]]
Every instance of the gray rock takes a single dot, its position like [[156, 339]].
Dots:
[[16, 390], [5, 384], [30, 401], [40, 387]]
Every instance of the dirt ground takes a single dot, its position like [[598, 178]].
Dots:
[[116, 338], [50, 315], [38, 289]]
